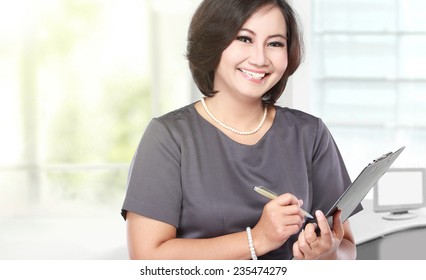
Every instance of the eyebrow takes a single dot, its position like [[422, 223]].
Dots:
[[271, 36]]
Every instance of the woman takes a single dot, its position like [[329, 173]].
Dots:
[[190, 190]]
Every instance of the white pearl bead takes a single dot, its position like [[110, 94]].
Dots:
[[265, 113]]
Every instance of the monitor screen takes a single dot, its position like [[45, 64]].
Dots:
[[400, 190]]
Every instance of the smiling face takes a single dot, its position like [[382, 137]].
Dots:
[[257, 59]]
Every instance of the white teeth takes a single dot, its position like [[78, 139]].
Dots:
[[257, 76]]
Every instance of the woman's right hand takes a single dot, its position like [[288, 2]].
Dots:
[[281, 218]]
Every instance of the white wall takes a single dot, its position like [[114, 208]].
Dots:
[[297, 93]]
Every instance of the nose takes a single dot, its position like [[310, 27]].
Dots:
[[258, 56]]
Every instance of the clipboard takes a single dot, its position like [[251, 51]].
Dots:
[[360, 187]]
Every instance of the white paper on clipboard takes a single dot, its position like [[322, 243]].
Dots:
[[360, 187]]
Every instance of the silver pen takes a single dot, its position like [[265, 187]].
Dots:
[[271, 195]]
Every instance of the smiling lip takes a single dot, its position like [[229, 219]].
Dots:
[[255, 76]]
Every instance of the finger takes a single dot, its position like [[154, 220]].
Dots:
[[274, 206], [297, 253], [303, 244], [288, 214], [282, 221], [292, 220], [292, 210], [337, 224], [310, 234], [305, 248], [292, 216], [322, 223], [287, 199]]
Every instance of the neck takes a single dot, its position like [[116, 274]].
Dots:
[[241, 114], [230, 107]]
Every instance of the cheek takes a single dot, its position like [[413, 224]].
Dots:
[[233, 54], [282, 63]]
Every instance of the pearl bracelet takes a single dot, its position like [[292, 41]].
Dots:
[[251, 245]]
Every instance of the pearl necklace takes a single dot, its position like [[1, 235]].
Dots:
[[265, 113]]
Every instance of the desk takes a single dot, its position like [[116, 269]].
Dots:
[[377, 238]]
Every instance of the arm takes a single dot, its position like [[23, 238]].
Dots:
[[333, 243], [152, 239]]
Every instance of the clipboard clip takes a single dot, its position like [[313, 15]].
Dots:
[[381, 158]]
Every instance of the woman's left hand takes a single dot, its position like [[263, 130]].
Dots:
[[309, 246]]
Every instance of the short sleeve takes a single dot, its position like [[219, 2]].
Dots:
[[153, 187], [329, 175]]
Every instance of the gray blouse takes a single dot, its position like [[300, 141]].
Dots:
[[189, 174]]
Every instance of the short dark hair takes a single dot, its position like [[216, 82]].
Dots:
[[216, 24]]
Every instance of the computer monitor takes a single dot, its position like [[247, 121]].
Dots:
[[399, 191]]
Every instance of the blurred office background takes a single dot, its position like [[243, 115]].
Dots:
[[80, 79]]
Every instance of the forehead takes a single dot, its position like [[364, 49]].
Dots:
[[267, 19]]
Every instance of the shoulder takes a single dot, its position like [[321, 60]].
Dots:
[[183, 113], [298, 118], [177, 116], [174, 125], [174, 120], [309, 127]]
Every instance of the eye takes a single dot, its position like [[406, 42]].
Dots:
[[244, 39], [277, 44]]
